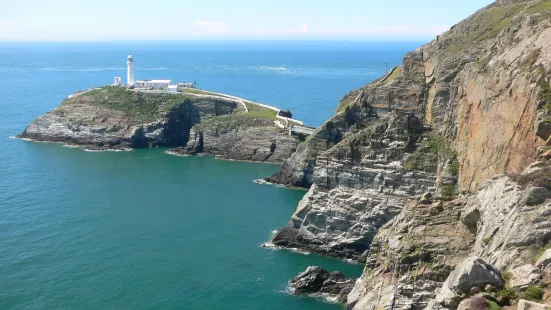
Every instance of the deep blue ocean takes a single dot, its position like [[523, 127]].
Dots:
[[146, 230]]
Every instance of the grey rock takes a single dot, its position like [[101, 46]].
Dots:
[[316, 280], [536, 195], [524, 276], [544, 260], [544, 130], [530, 305], [472, 272]]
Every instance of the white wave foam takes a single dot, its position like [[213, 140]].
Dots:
[[328, 298], [273, 68], [177, 154]]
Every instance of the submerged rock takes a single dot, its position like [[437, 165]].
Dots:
[[318, 281]]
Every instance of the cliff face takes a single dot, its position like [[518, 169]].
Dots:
[[115, 118], [477, 101]]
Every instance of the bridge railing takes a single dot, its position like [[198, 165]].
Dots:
[[301, 130]]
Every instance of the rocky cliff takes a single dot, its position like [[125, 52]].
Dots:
[[427, 174], [117, 118]]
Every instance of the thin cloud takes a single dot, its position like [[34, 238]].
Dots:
[[208, 27], [259, 30]]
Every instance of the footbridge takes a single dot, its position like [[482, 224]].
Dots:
[[296, 129]]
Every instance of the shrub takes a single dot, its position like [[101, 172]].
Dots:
[[454, 167], [487, 240], [534, 293], [506, 275], [448, 190], [492, 305], [508, 293]]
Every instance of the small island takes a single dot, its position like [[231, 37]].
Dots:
[[187, 120]]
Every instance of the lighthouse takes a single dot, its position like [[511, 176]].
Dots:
[[130, 71]]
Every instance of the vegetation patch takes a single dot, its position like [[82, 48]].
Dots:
[[432, 150], [491, 305], [138, 106], [196, 91], [484, 25], [260, 111], [534, 293], [448, 190], [395, 73], [508, 294]]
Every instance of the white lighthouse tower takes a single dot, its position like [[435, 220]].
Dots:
[[130, 71]]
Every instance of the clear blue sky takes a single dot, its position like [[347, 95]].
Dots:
[[93, 20]]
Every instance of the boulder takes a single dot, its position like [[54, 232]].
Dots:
[[544, 130], [524, 276], [530, 305], [316, 280], [544, 260], [472, 272], [426, 199], [475, 302], [535, 195]]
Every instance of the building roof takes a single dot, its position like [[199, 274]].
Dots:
[[155, 81]]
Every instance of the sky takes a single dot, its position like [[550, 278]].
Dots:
[[106, 20]]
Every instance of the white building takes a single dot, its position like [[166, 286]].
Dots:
[[147, 84], [130, 70], [186, 84], [152, 84], [172, 88]]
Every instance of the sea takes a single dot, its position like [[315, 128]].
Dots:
[[143, 229]]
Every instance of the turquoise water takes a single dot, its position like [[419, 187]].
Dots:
[[142, 229]]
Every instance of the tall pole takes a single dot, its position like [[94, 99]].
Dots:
[[386, 67]]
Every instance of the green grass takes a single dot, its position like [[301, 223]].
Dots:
[[196, 91], [491, 305], [508, 293], [260, 111], [396, 73], [229, 122], [138, 106], [448, 190], [489, 23], [534, 293]]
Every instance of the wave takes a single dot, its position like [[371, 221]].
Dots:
[[264, 182], [272, 68], [326, 297]]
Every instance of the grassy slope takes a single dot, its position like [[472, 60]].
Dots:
[[139, 107], [142, 107], [490, 22]]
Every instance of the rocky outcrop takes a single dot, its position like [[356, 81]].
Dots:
[[240, 138], [316, 281], [116, 118], [473, 274], [424, 256], [464, 122], [359, 185]]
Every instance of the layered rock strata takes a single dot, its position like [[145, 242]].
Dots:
[[481, 95]]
